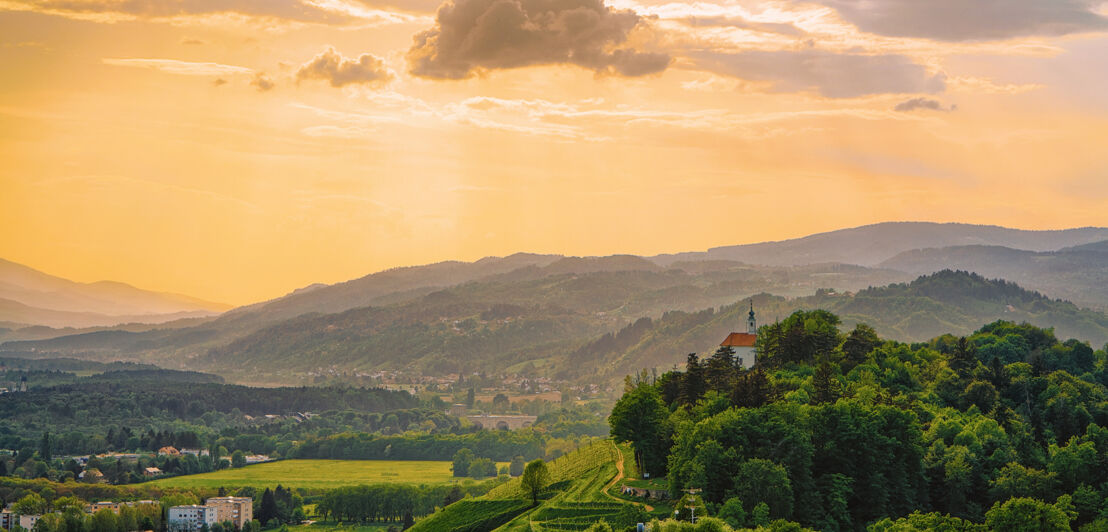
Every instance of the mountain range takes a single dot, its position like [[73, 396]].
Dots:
[[31, 297], [549, 314]]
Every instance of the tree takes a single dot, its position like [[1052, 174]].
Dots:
[[471, 397], [535, 477], [824, 385], [641, 418], [917, 522], [44, 447], [481, 468], [858, 344], [3, 467], [964, 360], [515, 468], [694, 383], [733, 513], [267, 511], [31, 504], [500, 403], [238, 458], [454, 495], [766, 482], [760, 515], [1026, 515], [462, 459], [721, 370]]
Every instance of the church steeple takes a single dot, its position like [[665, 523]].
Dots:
[[751, 323]]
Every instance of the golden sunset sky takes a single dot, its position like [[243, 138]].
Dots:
[[234, 150]]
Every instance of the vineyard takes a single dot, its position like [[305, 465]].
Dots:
[[574, 500]]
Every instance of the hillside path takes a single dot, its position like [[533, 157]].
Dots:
[[619, 477]]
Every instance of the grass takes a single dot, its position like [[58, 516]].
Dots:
[[574, 500], [329, 526], [320, 474]]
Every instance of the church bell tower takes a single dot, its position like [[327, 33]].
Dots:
[[751, 323]]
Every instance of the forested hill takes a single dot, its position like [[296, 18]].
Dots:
[[530, 315], [1078, 274], [837, 429], [932, 305]]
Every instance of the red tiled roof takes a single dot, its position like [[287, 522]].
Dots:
[[739, 340]]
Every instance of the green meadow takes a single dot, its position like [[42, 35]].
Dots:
[[320, 474]]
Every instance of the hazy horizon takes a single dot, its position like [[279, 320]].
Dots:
[[233, 151], [357, 275]]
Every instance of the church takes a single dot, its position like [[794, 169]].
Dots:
[[743, 343]]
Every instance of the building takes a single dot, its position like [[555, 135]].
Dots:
[[28, 521], [97, 506], [151, 472], [7, 520], [743, 343], [237, 510], [191, 518]]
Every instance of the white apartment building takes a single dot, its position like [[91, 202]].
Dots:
[[191, 518]]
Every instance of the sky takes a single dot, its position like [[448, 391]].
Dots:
[[234, 150]]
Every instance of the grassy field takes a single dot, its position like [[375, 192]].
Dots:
[[320, 474], [574, 500]]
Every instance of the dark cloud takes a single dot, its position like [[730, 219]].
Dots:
[[262, 82], [833, 75], [741, 23], [969, 20], [219, 81], [475, 35], [338, 70], [191, 41], [921, 103]]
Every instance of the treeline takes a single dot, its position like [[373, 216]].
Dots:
[[839, 431], [106, 412], [385, 502], [497, 445]]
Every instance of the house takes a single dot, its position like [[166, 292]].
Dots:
[[743, 343], [28, 521], [191, 518], [7, 520], [646, 493], [103, 505], [169, 450], [151, 472], [238, 510]]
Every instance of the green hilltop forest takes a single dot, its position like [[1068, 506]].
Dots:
[[1005, 428]]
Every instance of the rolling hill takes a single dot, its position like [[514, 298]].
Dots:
[[31, 297], [1078, 274], [564, 316], [870, 245]]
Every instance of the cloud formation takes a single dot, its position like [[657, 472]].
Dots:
[[331, 66], [830, 74], [470, 36], [924, 104], [971, 20], [782, 28], [332, 12], [184, 68], [262, 82]]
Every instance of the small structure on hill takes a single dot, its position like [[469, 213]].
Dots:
[[743, 343]]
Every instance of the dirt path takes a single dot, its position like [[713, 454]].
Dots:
[[619, 477]]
